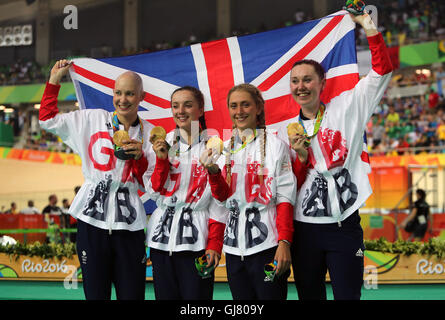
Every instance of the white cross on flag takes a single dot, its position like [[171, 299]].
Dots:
[[262, 59]]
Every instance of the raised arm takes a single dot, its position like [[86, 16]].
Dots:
[[48, 106], [366, 22], [381, 62]]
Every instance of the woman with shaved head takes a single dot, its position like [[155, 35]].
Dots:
[[116, 160]]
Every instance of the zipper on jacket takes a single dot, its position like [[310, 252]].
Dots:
[[241, 237], [110, 217], [173, 231], [110, 221]]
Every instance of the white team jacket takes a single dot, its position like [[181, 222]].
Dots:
[[338, 184], [252, 227], [185, 205], [108, 199]]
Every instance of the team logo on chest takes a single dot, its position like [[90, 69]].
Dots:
[[198, 183], [257, 183], [333, 146]]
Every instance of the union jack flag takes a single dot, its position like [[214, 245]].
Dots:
[[263, 59]]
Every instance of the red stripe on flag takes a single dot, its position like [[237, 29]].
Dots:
[[220, 77], [109, 83], [167, 123], [285, 68], [365, 157], [337, 85], [159, 102], [281, 109]]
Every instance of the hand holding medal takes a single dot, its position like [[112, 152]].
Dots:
[[157, 133], [298, 140], [296, 129], [126, 148], [214, 148], [120, 138], [160, 146], [216, 145]]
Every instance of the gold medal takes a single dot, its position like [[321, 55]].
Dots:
[[295, 128], [120, 136], [215, 143], [157, 133]]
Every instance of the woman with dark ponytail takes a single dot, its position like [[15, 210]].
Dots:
[[188, 223]]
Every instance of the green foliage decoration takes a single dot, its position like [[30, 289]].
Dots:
[[44, 250], [432, 247]]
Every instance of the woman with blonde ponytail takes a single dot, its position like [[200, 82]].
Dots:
[[260, 200]]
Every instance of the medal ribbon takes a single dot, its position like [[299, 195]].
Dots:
[[245, 143], [115, 124], [318, 120]]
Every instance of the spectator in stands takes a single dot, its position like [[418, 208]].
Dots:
[[432, 125], [12, 209], [392, 130], [403, 146], [392, 116], [406, 127], [433, 99], [415, 111], [381, 148], [392, 147], [52, 208], [65, 216], [20, 72], [30, 209], [412, 135], [421, 144], [441, 133], [422, 123]]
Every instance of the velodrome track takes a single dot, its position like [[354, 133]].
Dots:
[[24, 180]]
